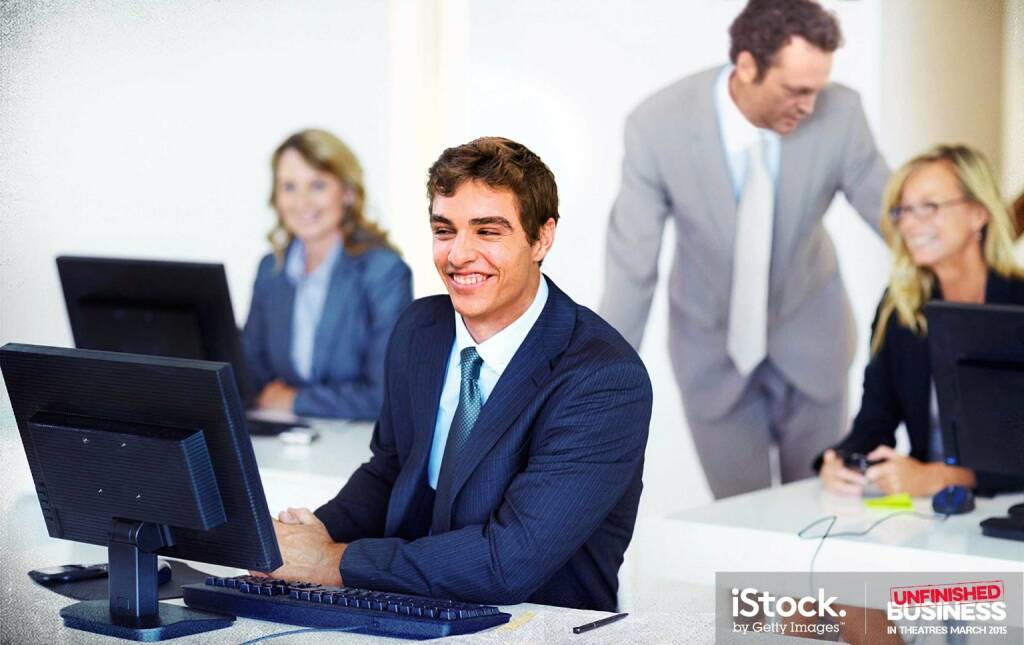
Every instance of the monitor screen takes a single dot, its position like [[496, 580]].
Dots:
[[142, 438], [177, 309], [977, 358]]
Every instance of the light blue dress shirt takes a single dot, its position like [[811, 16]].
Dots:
[[738, 134], [496, 352], [310, 294]]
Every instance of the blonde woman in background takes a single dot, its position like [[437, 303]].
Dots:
[[327, 296], [952, 239]]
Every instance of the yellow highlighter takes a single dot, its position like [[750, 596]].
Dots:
[[900, 502]]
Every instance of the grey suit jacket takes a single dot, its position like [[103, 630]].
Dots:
[[675, 167]]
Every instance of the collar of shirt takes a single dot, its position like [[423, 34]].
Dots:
[[738, 133], [498, 350], [295, 264]]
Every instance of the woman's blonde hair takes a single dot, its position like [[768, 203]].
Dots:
[[327, 153], [910, 286]]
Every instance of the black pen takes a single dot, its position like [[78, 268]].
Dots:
[[598, 623]]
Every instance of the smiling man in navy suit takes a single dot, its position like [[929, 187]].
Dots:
[[508, 455]]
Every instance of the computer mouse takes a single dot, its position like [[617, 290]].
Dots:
[[1016, 513], [163, 572], [953, 500]]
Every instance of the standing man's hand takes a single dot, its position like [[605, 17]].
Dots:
[[309, 553]]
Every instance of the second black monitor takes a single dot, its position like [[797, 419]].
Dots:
[[977, 361], [158, 308]]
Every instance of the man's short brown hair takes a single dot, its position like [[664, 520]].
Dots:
[[500, 164], [766, 26]]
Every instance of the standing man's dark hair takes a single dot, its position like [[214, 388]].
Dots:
[[766, 26]]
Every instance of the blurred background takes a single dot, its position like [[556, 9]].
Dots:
[[145, 130]]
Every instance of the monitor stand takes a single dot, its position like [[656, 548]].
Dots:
[[132, 611], [1010, 527]]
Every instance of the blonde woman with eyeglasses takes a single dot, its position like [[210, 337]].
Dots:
[[951, 239]]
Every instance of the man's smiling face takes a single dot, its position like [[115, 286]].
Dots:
[[482, 252]]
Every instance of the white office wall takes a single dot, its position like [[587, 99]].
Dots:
[[943, 76], [1013, 99], [145, 130]]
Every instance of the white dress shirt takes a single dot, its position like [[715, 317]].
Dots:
[[496, 352], [738, 134], [310, 295]]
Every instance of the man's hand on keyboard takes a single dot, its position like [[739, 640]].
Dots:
[[307, 549]]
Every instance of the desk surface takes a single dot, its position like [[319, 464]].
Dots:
[[758, 532], [292, 476], [674, 557], [309, 475], [31, 614]]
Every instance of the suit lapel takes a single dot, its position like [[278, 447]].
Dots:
[[341, 294], [281, 327], [526, 372], [433, 344], [796, 164], [707, 158]]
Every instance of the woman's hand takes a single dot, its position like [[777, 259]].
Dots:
[[902, 474], [277, 395], [838, 478]]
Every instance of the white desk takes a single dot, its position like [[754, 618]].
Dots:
[[292, 476], [31, 615], [309, 475], [758, 532]]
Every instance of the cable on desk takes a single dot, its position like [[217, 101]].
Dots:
[[307, 630], [832, 519]]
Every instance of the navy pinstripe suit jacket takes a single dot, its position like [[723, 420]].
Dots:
[[545, 493]]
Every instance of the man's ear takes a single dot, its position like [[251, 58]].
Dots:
[[746, 68], [545, 238]]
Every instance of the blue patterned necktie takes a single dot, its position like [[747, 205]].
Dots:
[[468, 410], [466, 414]]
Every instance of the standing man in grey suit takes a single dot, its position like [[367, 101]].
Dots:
[[745, 160]]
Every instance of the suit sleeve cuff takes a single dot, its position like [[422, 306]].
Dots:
[[357, 564]]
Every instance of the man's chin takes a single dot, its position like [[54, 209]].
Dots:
[[465, 306], [785, 126]]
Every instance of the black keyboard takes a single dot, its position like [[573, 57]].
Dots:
[[368, 612]]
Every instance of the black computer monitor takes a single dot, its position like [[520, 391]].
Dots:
[[178, 309], [148, 456], [977, 358]]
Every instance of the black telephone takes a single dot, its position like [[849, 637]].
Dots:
[[74, 572]]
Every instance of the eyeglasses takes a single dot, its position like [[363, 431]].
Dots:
[[923, 211]]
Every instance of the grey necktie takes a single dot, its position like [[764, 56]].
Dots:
[[466, 414], [748, 304]]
